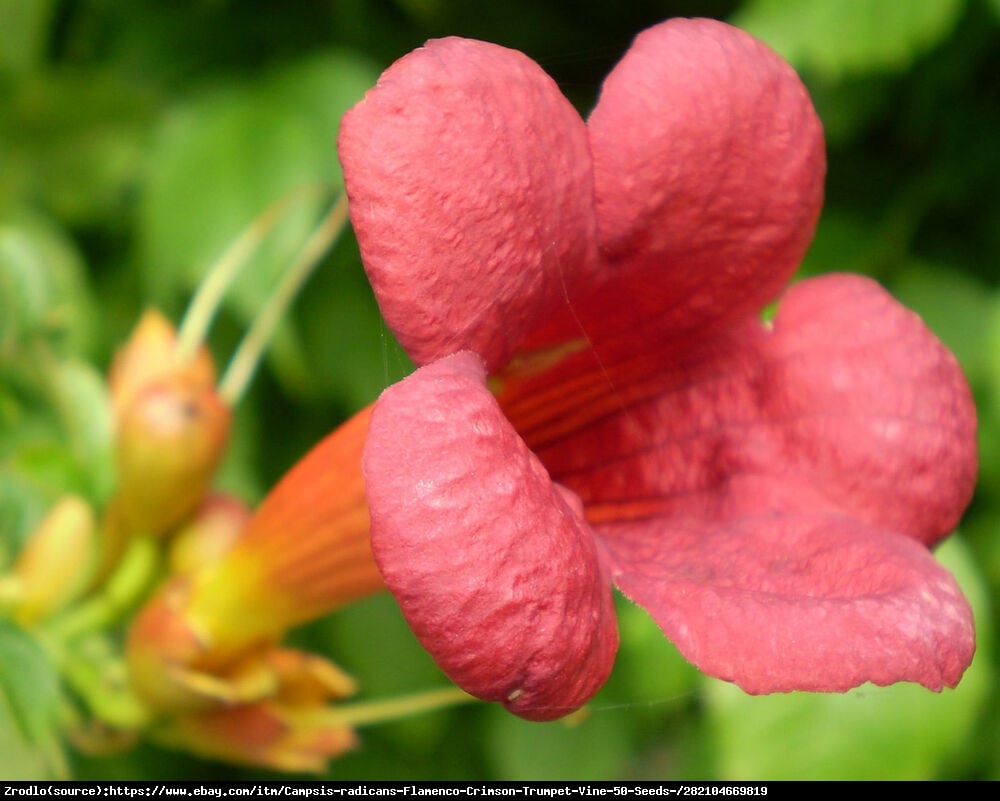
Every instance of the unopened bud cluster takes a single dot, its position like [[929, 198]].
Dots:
[[203, 588]]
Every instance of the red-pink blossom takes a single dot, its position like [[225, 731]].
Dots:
[[599, 403]]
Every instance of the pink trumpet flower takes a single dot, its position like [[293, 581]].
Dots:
[[598, 402]]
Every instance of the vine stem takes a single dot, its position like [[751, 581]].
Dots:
[[251, 348]]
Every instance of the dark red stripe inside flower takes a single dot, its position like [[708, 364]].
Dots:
[[598, 402]]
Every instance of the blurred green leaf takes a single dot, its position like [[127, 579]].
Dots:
[[585, 747], [955, 306], [902, 732], [79, 396], [43, 289], [29, 698], [24, 24], [651, 668], [25, 494], [55, 437], [839, 37], [21, 508], [73, 140]]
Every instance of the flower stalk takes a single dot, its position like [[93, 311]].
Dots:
[[204, 306], [250, 350], [372, 713]]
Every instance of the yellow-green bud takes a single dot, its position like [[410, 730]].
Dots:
[[55, 563]]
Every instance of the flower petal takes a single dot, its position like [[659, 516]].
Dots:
[[264, 734], [471, 196], [767, 495], [492, 564], [798, 601], [873, 409], [848, 395], [708, 168]]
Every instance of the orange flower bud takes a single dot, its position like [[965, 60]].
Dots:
[[171, 437], [56, 561], [151, 355], [307, 679], [177, 665], [171, 425]]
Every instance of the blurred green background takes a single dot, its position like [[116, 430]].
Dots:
[[138, 137]]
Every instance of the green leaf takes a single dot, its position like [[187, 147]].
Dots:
[[585, 747], [649, 665], [902, 732], [55, 437], [74, 140], [44, 294], [840, 37], [22, 506], [80, 398], [956, 307], [29, 697], [24, 24]]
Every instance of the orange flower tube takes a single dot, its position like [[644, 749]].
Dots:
[[304, 553]]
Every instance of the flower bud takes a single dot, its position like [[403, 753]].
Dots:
[[257, 705], [171, 437], [56, 561], [150, 355], [162, 646]]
